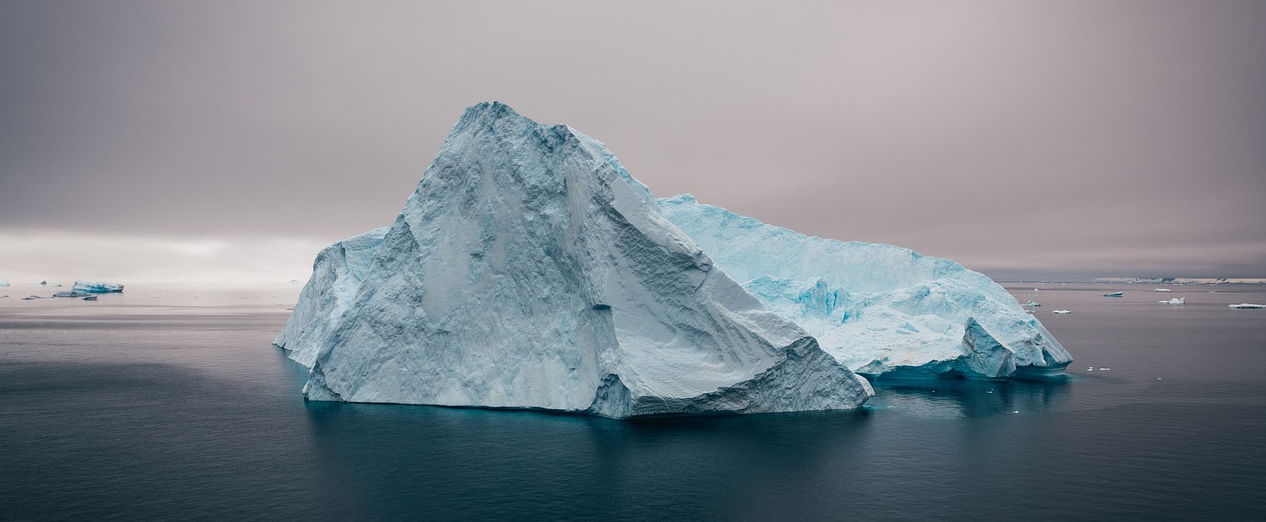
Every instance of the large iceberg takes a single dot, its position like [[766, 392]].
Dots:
[[530, 270], [879, 309]]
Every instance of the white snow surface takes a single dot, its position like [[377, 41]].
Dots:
[[530, 270], [878, 309]]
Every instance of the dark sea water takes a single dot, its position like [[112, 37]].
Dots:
[[170, 403]]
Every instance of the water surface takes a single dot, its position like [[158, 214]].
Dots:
[[171, 403]]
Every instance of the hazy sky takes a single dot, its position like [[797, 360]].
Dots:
[[230, 140]]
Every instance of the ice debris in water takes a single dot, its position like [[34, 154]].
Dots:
[[4, 283], [97, 288], [1114, 294], [1061, 311], [1246, 306], [530, 270], [1032, 303], [31, 298], [71, 293], [1161, 290], [90, 298], [1174, 301]]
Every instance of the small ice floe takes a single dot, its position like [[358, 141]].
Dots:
[[1161, 290], [1104, 369], [100, 287], [1032, 303], [1246, 306], [31, 298], [57, 285], [1015, 412], [71, 293], [42, 283], [1090, 369], [1036, 290], [90, 298], [1174, 301], [1160, 378], [4, 283], [1114, 294], [1061, 311]]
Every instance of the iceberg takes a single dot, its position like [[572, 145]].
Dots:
[[71, 293], [1174, 301], [1246, 306], [1061, 311], [1032, 304], [96, 288], [1114, 294], [4, 283], [529, 269], [879, 309], [1161, 290]]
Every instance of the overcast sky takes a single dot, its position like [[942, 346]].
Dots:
[[230, 140]]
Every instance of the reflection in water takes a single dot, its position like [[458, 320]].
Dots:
[[968, 398], [577, 464]]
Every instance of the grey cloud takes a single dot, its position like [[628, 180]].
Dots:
[[1017, 137]]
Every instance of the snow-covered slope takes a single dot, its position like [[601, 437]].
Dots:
[[529, 270], [878, 309]]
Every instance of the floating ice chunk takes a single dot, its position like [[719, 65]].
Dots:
[[1114, 294], [4, 283], [31, 297], [90, 298], [1161, 290], [42, 283], [71, 293], [1104, 369], [1174, 301], [1246, 306], [97, 288], [1061, 311], [1032, 303]]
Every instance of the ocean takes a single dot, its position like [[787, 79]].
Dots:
[[170, 403]]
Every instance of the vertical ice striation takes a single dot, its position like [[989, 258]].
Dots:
[[530, 270], [878, 309]]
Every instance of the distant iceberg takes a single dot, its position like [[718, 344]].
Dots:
[[97, 288], [1247, 306], [1175, 301], [4, 283], [72, 293], [1114, 294], [1061, 311]]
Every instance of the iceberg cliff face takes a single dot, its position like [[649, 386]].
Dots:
[[336, 277], [530, 270], [878, 309]]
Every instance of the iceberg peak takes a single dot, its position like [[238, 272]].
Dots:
[[530, 270]]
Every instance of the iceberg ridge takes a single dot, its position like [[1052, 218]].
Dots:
[[878, 309]]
